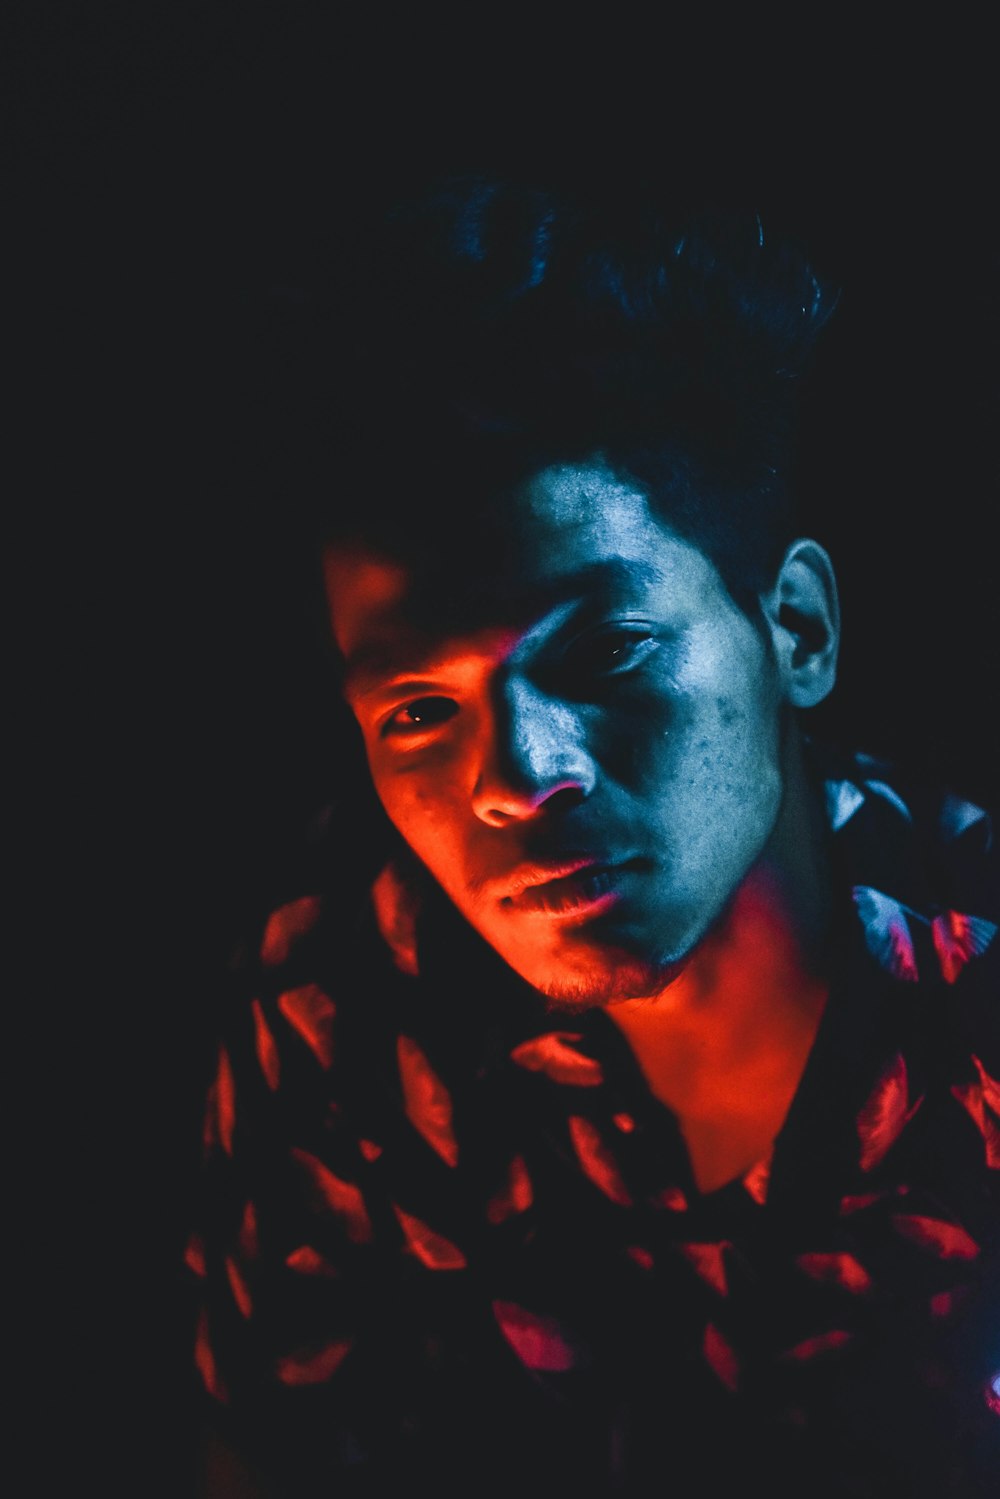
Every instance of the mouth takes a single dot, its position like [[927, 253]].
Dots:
[[579, 889]]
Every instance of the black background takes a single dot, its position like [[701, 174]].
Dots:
[[172, 164]]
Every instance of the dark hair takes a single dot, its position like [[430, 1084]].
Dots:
[[496, 326]]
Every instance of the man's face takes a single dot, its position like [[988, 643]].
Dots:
[[578, 736]]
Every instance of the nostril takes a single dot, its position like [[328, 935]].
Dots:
[[562, 797]]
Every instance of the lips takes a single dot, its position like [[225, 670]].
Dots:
[[577, 888]]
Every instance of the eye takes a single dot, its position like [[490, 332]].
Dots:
[[422, 714], [611, 652]]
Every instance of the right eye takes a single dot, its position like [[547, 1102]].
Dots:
[[611, 652], [422, 714]]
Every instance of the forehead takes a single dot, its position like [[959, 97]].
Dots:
[[568, 531]]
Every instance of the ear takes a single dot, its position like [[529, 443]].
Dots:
[[803, 614]]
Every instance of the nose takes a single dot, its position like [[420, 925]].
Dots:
[[536, 749]]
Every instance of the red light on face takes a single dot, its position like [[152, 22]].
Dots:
[[576, 732]]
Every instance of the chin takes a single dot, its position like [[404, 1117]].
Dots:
[[573, 989]]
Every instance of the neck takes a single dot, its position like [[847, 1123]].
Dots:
[[725, 1044]]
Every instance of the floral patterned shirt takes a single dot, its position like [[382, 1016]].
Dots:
[[446, 1239]]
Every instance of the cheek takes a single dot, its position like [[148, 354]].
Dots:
[[425, 804], [712, 748], [741, 748], [738, 694], [635, 746]]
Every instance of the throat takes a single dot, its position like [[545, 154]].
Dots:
[[730, 1110], [719, 1155], [732, 1127], [725, 1046]]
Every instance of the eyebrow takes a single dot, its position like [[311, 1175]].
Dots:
[[377, 660]]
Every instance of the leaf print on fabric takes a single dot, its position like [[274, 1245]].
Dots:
[[709, 1262], [886, 792], [837, 1269], [286, 926], [307, 1366], [330, 1193], [426, 1100], [432, 1249], [990, 1086], [857, 1202], [957, 815], [516, 1195], [824, 1342], [758, 1179], [220, 1106], [843, 799], [949, 1241], [246, 1238], [944, 1303], [238, 1286], [194, 1255], [596, 1160], [671, 1198], [267, 1051], [311, 1013], [555, 1055], [308, 1261], [396, 909], [539, 1342], [720, 1357], [872, 764], [959, 938], [205, 1361], [886, 1113], [887, 933], [975, 1098]]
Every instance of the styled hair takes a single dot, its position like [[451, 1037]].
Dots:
[[497, 326]]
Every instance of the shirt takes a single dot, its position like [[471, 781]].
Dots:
[[448, 1238]]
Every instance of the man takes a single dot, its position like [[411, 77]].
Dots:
[[612, 1102]]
